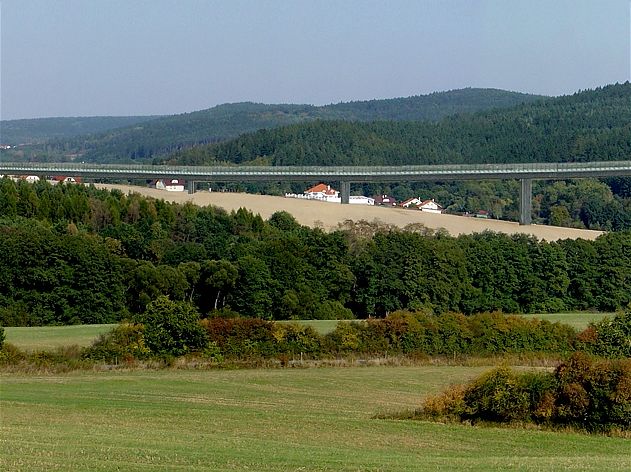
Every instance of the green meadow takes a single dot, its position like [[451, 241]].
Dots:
[[318, 419], [41, 338]]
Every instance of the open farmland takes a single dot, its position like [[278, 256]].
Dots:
[[283, 419], [329, 215]]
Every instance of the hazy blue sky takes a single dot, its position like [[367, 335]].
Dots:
[[128, 57]]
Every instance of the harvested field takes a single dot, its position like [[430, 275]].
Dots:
[[329, 215]]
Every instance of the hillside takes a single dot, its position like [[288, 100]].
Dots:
[[40, 130], [171, 133], [591, 125]]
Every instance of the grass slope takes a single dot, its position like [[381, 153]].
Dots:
[[285, 419]]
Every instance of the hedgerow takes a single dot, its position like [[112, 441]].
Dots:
[[594, 395]]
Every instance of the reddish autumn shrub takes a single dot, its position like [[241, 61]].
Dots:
[[583, 393]]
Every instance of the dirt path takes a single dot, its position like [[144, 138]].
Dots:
[[329, 215]]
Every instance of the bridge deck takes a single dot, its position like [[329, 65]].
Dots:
[[347, 174]]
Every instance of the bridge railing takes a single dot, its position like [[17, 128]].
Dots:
[[341, 171]]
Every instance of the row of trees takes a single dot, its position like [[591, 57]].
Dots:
[[74, 254]]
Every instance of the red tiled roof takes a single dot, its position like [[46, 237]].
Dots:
[[322, 188]]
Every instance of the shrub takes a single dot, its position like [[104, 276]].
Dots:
[[172, 328], [241, 337], [497, 396], [124, 342], [10, 354], [2, 336], [293, 338], [581, 392], [332, 310], [609, 337]]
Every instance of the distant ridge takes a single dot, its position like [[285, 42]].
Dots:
[[40, 130], [592, 125], [159, 136]]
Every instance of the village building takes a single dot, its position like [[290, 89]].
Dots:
[[385, 200], [429, 206], [323, 192], [411, 202], [170, 185], [30, 178], [360, 200], [67, 180]]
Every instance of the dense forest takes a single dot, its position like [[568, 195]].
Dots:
[[167, 134], [75, 254], [40, 130], [588, 126]]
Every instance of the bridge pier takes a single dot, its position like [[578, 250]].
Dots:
[[525, 202], [191, 186], [345, 192]]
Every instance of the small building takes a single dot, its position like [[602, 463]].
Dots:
[[482, 214], [170, 185], [430, 206], [323, 192], [66, 180], [30, 178], [360, 200], [411, 202], [385, 200]]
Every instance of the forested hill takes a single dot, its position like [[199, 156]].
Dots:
[[166, 134], [40, 130], [590, 126]]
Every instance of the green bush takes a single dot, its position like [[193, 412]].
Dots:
[[172, 328], [609, 337], [452, 333], [124, 342], [581, 392], [241, 337], [3, 336], [497, 396], [332, 310], [293, 338]]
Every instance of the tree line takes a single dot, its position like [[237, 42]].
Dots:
[[76, 254]]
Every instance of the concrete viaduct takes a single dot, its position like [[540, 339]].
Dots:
[[526, 173]]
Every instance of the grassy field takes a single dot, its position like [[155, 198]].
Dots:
[[578, 320], [321, 326], [50, 337], [285, 419]]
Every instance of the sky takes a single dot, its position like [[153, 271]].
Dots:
[[149, 57]]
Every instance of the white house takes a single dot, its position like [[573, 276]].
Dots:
[[170, 185], [411, 202], [360, 200], [323, 192], [430, 206]]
